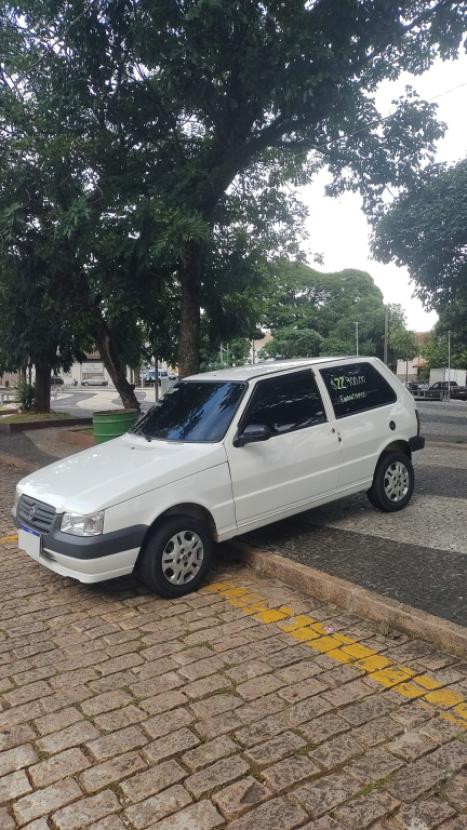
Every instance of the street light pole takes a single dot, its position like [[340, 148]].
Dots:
[[449, 367], [356, 324], [156, 379], [386, 334]]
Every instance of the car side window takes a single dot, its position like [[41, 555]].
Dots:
[[286, 403], [356, 387]]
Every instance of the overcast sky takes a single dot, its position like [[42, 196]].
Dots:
[[338, 228]]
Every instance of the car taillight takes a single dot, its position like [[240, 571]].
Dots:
[[417, 415]]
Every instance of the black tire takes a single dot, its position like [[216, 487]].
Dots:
[[398, 466], [154, 565]]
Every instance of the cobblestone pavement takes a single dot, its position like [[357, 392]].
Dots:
[[246, 705]]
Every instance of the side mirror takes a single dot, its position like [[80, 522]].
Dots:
[[251, 434]]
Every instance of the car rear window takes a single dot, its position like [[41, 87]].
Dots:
[[356, 387]]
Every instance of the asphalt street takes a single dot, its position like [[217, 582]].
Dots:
[[85, 401], [444, 421]]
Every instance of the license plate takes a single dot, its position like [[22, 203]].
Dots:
[[30, 542]]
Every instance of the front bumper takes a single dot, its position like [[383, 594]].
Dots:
[[87, 558], [90, 570]]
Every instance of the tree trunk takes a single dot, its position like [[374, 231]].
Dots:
[[42, 387], [113, 364], [189, 334]]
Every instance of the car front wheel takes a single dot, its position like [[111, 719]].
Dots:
[[393, 482], [176, 556]]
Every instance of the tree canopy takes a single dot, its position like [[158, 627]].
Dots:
[[170, 128], [312, 313], [425, 229]]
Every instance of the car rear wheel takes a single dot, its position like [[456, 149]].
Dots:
[[393, 482], [176, 556]]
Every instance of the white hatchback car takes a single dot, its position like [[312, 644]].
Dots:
[[221, 454]]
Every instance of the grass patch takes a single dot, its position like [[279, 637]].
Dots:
[[28, 417], [375, 785]]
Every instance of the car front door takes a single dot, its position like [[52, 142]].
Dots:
[[297, 464]]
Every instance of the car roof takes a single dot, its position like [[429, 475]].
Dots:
[[244, 373]]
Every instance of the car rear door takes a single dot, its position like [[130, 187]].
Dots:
[[367, 415], [297, 464]]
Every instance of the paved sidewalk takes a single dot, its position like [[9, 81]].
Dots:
[[246, 705], [417, 556]]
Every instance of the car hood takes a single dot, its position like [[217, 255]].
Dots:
[[117, 470]]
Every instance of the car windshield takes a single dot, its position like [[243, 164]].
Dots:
[[195, 411]]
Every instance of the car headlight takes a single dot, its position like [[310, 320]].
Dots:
[[79, 525], [14, 509]]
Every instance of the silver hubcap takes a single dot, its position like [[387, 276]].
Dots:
[[396, 481], [182, 557]]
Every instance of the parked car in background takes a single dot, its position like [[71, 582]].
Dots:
[[149, 377], [94, 382], [412, 387], [56, 380], [223, 453], [459, 393], [439, 391]]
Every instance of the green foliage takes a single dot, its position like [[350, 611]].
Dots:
[[435, 351], [311, 312], [233, 353], [161, 137], [425, 229], [402, 343], [25, 396], [293, 342]]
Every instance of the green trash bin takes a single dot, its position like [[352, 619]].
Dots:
[[111, 424]]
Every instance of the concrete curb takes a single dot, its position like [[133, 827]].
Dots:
[[388, 613], [26, 426]]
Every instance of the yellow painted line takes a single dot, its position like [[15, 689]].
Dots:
[[461, 710], [235, 592], [340, 656], [445, 698], [374, 663], [358, 651], [302, 635], [12, 538], [391, 676], [270, 616], [297, 622], [450, 705], [427, 682]]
